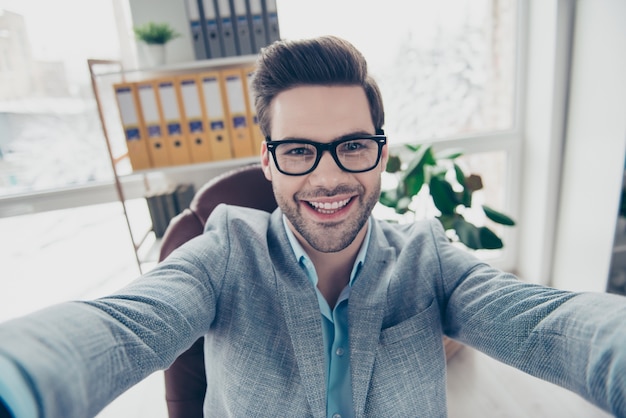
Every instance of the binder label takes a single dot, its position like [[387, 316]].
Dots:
[[195, 126], [154, 131], [173, 128], [239, 121], [217, 125], [132, 134]]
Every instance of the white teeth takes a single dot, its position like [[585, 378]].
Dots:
[[329, 205]]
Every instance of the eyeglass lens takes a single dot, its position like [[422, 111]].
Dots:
[[352, 155]]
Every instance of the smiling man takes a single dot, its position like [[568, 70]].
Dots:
[[326, 197], [318, 309]]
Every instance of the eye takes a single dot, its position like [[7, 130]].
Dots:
[[296, 150], [354, 145]]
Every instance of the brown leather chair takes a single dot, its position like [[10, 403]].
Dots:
[[185, 380]]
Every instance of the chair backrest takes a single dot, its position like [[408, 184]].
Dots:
[[185, 380]]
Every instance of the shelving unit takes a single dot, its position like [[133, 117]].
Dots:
[[106, 73]]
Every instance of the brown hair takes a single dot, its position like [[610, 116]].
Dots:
[[327, 60]]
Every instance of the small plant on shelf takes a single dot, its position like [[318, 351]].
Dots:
[[155, 33], [451, 192]]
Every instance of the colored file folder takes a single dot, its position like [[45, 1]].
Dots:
[[213, 105], [136, 143], [209, 17], [271, 16], [195, 126], [259, 39], [238, 118], [257, 135], [157, 147], [197, 30], [240, 16], [176, 139], [226, 27]]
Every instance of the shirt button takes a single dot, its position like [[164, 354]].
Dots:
[[336, 415], [339, 352]]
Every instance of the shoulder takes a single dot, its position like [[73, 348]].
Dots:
[[429, 232], [423, 246], [236, 222]]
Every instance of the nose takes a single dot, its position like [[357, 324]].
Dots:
[[327, 174]]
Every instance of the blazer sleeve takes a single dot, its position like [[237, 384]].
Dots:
[[577, 341], [78, 356]]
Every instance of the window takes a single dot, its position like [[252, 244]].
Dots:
[[445, 68], [51, 135]]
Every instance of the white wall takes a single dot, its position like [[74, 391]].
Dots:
[[594, 148]]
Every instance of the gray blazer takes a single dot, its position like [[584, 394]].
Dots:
[[240, 285]]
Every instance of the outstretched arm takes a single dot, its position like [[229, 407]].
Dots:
[[577, 341], [76, 357]]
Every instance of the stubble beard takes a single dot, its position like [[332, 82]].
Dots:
[[329, 237]]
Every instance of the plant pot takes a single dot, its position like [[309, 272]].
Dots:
[[154, 55]]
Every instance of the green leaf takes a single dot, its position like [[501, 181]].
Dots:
[[412, 147], [466, 198], [429, 157], [468, 234], [389, 198], [413, 183], [412, 178], [417, 161], [460, 176], [448, 221], [498, 217], [393, 164], [443, 195], [488, 239]]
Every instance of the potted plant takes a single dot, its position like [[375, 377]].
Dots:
[[155, 36], [451, 191]]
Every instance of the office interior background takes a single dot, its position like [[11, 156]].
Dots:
[[532, 91]]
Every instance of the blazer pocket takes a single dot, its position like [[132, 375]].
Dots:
[[418, 323]]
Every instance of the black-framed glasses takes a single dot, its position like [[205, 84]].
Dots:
[[354, 153]]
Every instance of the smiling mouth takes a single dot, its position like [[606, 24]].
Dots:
[[328, 208]]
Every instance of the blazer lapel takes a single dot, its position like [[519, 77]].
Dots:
[[367, 304], [302, 316]]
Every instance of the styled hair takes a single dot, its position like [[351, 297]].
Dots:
[[326, 60]]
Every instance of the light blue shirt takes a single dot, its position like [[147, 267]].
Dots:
[[334, 331]]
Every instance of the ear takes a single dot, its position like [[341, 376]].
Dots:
[[265, 161]]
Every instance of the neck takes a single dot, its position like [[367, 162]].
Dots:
[[334, 269]]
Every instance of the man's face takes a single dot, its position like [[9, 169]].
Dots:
[[327, 208]]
